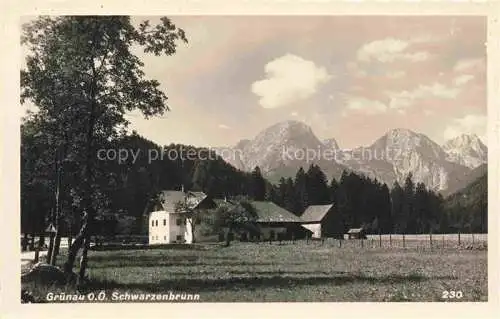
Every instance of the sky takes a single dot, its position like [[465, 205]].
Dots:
[[351, 78]]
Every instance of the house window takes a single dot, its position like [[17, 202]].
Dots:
[[164, 237], [164, 222], [157, 223], [152, 223], [178, 222], [179, 237]]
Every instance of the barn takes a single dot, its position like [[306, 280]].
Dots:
[[272, 222], [323, 221]]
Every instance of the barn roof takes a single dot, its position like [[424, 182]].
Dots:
[[315, 213], [170, 198], [355, 230], [267, 212]]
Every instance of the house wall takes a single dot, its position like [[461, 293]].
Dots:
[[315, 228], [157, 234], [176, 230], [168, 231], [266, 231]]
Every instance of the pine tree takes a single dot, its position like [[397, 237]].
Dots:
[[317, 186], [290, 199], [258, 185], [301, 190], [408, 214], [385, 219], [334, 186], [397, 203]]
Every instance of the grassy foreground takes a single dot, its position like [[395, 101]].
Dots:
[[290, 272]]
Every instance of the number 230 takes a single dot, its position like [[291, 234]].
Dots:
[[452, 294]]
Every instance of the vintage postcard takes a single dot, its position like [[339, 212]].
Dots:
[[230, 157]]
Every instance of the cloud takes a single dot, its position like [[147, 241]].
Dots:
[[469, 124], [463, 79], [224, 126], [288, 79], [405, 99], [294, 114], [366, 106], [467, 64], [396, 74], [390, 50]]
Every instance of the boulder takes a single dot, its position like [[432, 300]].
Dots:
[[45, 274]]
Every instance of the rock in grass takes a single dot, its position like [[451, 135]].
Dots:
[[45, 274]]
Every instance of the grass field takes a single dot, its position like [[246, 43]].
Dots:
[[290, 272]]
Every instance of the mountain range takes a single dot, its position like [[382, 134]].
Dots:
[[282, 148]]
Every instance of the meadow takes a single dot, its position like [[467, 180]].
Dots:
[[300, 271]]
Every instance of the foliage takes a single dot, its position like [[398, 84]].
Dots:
[[83, 77]]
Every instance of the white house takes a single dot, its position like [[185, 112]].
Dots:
[[166, 225]]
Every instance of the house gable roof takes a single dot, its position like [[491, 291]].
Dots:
[[315, 213], [170, 198]]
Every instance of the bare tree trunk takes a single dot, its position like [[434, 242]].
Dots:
[[228, 240], [51, 248], [58, 216], [76, 245], [84, 259], [55, 249], [24, 242]]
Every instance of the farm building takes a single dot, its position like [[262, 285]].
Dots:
[[356, 233], [322, 221], [272, 222], [170, 225]]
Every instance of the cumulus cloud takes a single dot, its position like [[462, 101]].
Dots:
[[224, 126], [405, 99], [468, 64], [463, 79], [294, 114], [366, 106], [469, 124], [289, 78], [390, 50]]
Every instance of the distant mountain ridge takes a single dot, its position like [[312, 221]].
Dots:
[[281, 149]]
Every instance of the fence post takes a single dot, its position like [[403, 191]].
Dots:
[[459, 238], [379, 239], [390, 239], [442, 237], [340, 243], [362, 241], [404, 243], [430, 238]]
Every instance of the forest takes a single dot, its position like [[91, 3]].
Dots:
[[126, 187]]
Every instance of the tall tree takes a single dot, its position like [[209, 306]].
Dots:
[[334, 186], [317, 186], [409, 204], [397, 203], [258, 185], [83, 76], [300, 184]]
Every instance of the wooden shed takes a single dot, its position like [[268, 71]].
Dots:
[[356, 233]]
